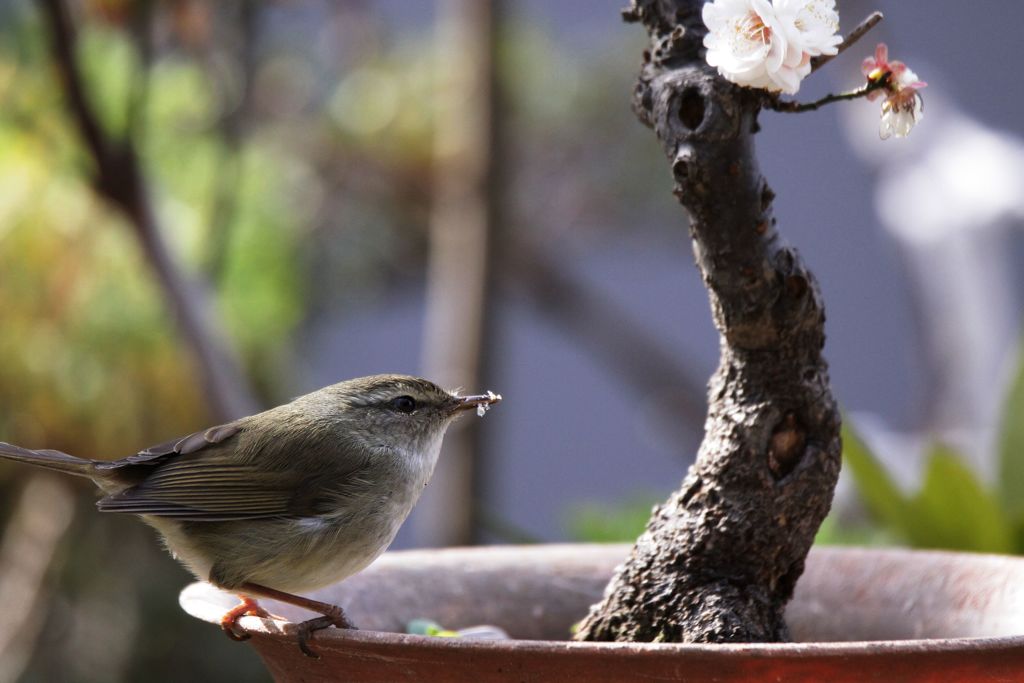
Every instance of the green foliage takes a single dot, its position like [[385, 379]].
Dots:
[[621, 522], [86, 326], [834, 532], [261, 293], [879, 493], [952, 509], [110, 67], [1011, 446]]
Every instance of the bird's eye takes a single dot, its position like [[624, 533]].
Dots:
[[404, 404]]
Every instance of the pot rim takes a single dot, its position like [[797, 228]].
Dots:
[[208, 603], [338, 637]]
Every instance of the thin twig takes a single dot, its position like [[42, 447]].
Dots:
[[62, 44], [119, 179], [856, 34], [142, 32], [797, 107]]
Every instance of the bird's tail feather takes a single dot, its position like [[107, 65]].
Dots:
[[51, 460]]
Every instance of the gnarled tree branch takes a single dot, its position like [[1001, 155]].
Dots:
[[719, 560]]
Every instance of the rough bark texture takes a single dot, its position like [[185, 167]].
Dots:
[[719, 560]]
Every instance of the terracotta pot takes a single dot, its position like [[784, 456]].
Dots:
[[858, 615]]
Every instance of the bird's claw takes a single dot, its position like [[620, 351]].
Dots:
[[305, 629], [247, 608], [237, 636]]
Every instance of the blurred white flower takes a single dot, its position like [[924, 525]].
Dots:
[[762, 44], [902, 107]]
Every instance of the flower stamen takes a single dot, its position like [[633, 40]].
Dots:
[[755, 30]]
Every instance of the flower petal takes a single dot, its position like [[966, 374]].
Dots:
[[881, 54], [764, 44]]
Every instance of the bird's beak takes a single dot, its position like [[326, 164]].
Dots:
[[480, 402]]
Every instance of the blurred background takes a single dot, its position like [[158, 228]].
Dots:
[[209, 208]]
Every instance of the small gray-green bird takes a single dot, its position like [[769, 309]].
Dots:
[[291, 499]]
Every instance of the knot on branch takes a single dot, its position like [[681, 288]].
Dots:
[[786, 446], [691, 104], [799, 310], [687, 172]]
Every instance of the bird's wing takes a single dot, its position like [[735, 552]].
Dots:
[[206, 477], [197, 441], [204, 491]]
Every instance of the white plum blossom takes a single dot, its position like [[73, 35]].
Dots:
[[769, 44], [902, 107]]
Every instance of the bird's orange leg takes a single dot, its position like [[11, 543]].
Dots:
[[332, 614], [247, 608]]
